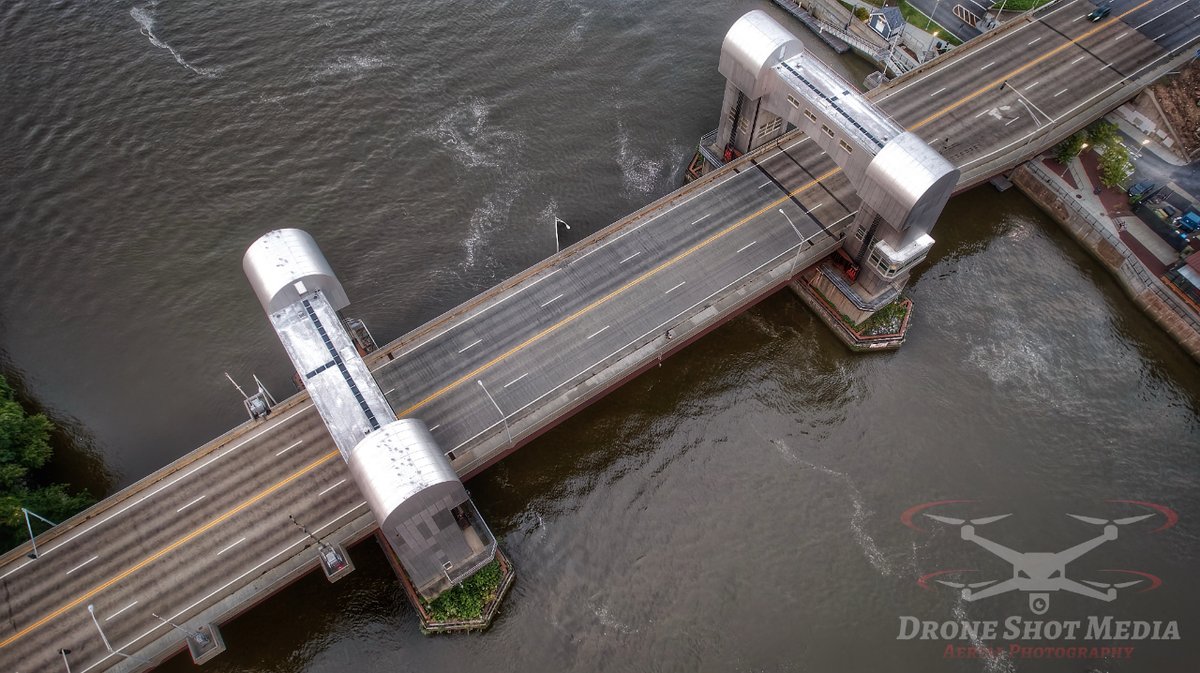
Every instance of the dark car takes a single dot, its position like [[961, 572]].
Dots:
[[1140, 189], [1100, 12]]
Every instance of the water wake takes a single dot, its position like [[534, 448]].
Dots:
[[640, 174], [465, 132], [858, 519], [992, 662], [352, 65], [145, 18]]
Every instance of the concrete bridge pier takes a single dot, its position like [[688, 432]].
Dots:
[[774, 86]]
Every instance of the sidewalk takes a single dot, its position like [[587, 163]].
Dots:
[[1147, 142], [1111, 207]]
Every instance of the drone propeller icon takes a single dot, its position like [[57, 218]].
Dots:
[[1040, 573]]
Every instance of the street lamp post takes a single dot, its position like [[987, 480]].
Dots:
[[799, 248], [557, 223], [103, 638], [197, 636], [108, 646], [29, 526], [329, 555], [504, 418], [64, 652], [932, 45], [1067, 165], [929, 19]]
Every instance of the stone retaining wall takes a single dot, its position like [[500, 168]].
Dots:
[[1148, 292]]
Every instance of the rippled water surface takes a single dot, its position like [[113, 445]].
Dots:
[[736, 509]]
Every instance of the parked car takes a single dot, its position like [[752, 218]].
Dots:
[[1141, 189], [1100, 12]]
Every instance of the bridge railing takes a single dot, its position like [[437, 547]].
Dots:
[[1131, 264], [708, 149]]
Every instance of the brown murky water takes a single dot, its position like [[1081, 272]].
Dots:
[[737, 509]]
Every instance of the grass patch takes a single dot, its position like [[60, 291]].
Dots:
[[916, 17], [1019, 5], [886, 320], [467, 600]]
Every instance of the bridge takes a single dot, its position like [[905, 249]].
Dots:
[[210, 535]]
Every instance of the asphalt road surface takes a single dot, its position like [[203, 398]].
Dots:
[[175, 544]]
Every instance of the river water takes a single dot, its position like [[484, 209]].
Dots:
[[737, 509]]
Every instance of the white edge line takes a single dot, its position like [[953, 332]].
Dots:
[[653, 330], [1067, 113], [941, 67], [167, 484], [432, 339], [220, 589], [1160, 15], [446, 330]]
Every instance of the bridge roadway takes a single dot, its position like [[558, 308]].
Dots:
[[208, 536]]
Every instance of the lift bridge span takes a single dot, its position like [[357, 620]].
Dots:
[[208, 536]]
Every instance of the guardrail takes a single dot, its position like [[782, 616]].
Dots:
[[705, 148]]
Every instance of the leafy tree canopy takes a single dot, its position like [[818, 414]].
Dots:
[[1070, 148], [1102, 133], [24, 448], [1115, 168]]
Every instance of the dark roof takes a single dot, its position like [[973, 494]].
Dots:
[[894, 18]]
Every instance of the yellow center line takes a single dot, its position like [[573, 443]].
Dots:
[[737, 225], [169, 548], [1001, 79], [536, 337], [592, 306]]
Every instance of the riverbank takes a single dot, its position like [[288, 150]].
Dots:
[[1102, 236]]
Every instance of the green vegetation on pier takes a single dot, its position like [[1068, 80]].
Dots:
[[467, 600]]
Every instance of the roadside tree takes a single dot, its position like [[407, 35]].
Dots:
[[24, 448], [1115, 168]]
